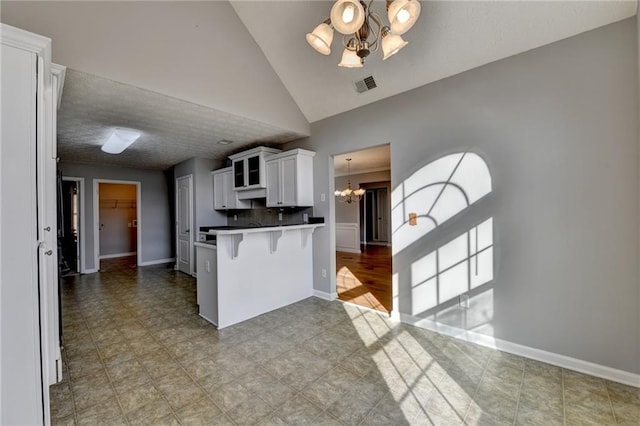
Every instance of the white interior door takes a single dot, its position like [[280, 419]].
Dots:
[[184, 224], [22, 398]]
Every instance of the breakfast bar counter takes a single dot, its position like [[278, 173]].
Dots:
[[251, 271]]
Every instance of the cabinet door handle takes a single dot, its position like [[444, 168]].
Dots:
[[48, 252]]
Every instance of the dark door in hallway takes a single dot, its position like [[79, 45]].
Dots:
[[69, 261]]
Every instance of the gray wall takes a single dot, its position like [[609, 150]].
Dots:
[[558, 127], [155, 217], [203, 213]]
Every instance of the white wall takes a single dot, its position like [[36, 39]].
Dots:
[[558, 127]]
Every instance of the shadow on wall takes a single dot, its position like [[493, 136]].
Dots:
[[452, 283]]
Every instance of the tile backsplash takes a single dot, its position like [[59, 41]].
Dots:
[[260, 215]]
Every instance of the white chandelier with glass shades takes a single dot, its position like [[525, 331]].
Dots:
[[349, 195], [364, 31]]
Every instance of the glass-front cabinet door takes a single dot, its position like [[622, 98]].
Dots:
[[253, 170], [238, 174]]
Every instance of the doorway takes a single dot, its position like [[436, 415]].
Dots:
[[70, 231], [363, 235], [117, 219], [184, 224], [375, 212]]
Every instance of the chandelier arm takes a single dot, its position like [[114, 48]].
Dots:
[[378, 21]]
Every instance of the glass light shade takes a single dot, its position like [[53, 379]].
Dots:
[[120, 140], [347, 16], [350, 59], [403, 14], [320, 39], [391, 44]]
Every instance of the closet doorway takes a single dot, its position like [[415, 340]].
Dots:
[[117, 221]]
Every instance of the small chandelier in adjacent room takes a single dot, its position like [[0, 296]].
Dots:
[[364, 31], [349, 195]]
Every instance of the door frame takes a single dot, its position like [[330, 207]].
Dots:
[[191, 232], [333, 291], [82, 264], [96, 218]]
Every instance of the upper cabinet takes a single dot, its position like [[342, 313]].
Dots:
[[248, 168], [289, 178], [224, 196]]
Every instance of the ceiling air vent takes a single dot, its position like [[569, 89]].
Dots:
[[365, 84]]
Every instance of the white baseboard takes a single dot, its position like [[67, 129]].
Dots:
[[563, 361], [324, 295], [348, 250], [113, 256], [90, 271], [157, 262]]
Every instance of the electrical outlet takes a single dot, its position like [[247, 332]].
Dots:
[[324, 273], [235, 217], [305, 217], [464, 301], [207, 266], [280, 216], [323, 197]]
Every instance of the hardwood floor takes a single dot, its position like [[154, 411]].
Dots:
[[365, 278]]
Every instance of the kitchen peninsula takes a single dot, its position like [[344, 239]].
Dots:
[[251, 271]]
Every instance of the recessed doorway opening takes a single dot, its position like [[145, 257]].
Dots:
[[117, 220], [363, 229]]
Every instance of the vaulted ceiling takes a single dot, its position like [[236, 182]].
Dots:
[[188, 74]]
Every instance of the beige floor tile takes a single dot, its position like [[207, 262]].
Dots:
[[250, 411], [155, 413], [136, 330], [134, 398], [230, 395], [351, 409], [580, 415], [534, 416], [298, 410], [104, 411], [87, 394]]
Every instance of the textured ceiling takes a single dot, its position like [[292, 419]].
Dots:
[[172, 130]]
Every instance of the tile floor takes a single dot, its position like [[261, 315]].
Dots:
[[136, 352]]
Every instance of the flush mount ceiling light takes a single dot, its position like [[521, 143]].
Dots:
[[120, 140], [224, 142], [349, 195], [364, 31]]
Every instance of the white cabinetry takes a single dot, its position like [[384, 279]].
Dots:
[[224, 196], [28, 233], [207, 282], [290, 179], [248, 168]]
